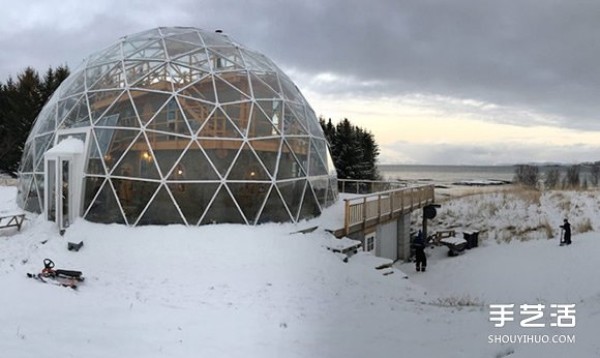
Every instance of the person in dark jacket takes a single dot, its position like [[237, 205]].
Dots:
[[567, 234], [419, 245]]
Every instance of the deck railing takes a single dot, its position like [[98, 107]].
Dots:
[[383, 206]]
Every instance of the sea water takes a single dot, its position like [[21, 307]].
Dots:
[[446, 174], [451, 174]]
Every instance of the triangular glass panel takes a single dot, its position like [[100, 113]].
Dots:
[[270, 79], [78, 116], [161, 211], [167, 152], [226, 58], [216, 39], [313, 124], [319, 187], [291, 124], [66, 105], [181, 76], [105, 207], [120, 114], [74, 84], [196, 112], [95, 162], [331, 193], [299, 147], [193, 198], [46, 121], [135, 44], [93, 74], [310, 206], [92, 186], [172, 31], [330, 166], [144, 35], [145, 49], [321, 149], [291, 191], [109, 54], [238, 113], [139, 161], [247, 167], [203, 90], [113, 143], [261, 90], [316, 166], [42, 144], [260, 123], [38, 159], [254, 62], [221, 152], [39, 185], [135, 70], [275, 210], [157, 80], [189, 37], [193, 165], [197, 59], [268, 152], [147, 103], [290, 91], [238, 80], [177, 48], [27, 164], [219, 126], [169, 119], [223, 210], [99, 102], [113, 78], [250, 197], [227, 92], [32, 200], [133, 195]]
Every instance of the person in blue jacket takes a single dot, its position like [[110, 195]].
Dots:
[[419, 246]]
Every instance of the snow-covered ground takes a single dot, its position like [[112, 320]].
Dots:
[[238, 291]]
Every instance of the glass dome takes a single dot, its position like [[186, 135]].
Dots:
[[180, 126]]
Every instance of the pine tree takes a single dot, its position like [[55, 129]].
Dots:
[[20, 103], [353, 149]]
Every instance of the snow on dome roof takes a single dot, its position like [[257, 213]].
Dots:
[[186, 126]]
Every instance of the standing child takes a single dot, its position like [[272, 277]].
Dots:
[[419, 245], [567, 228]]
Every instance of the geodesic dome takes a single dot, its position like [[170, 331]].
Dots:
[[181, 125]]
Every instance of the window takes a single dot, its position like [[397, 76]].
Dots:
[[171, 111], [369, 242]]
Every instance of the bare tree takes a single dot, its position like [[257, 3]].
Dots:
[[527, 175], [573, 176], [595, 174], [552, 178]]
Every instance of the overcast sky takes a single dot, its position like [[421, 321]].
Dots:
[[437, 82]]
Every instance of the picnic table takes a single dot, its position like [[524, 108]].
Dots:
[[11, 219]]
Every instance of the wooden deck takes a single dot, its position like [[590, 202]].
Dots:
[[371, 209]]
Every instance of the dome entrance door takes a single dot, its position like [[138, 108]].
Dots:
[[63, 178]]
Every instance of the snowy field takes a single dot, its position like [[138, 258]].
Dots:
[[237, 291]]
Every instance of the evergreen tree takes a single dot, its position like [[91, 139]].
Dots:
[[20, 103], [353, 149]]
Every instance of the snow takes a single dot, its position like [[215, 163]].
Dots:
[[453, 241], [239, 291], [67, 146]]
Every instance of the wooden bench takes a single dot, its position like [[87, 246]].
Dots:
[[11, 220], [438, 236]]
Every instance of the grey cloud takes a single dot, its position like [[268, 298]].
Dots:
[[532, 54]]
